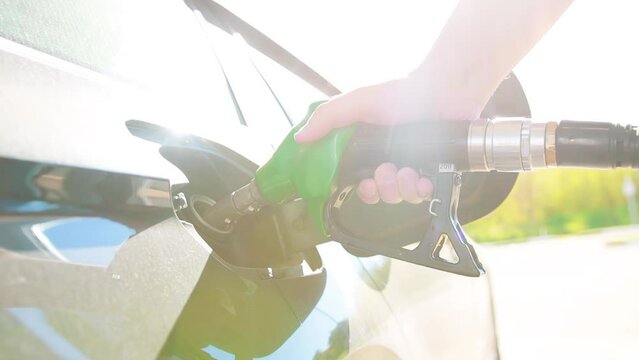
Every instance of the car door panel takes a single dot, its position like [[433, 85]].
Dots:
[[95, 261]]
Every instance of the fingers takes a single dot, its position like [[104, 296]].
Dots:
[[320, 123], [407, 179], [392, 186], [424, 188], [367, 191], [386, 180]]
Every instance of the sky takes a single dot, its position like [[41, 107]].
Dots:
[[585, 68]]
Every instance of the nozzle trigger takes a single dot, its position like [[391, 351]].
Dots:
[[443, 246]]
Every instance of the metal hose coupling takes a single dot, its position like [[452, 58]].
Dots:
[[227, 210], [511, 144]]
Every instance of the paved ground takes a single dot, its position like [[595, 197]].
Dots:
[[568, 298]]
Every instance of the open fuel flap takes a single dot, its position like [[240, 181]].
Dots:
[[276, 242], [263, 278]]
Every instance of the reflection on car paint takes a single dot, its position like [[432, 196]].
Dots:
[[324, 333], [26, 182], [88, 217], [27, 206], [74, 214], [321, 335], [36, 322], [374, 271], [122, 223], [257, 318], [86, 240]]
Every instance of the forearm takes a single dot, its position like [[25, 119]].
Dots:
[[480, 44]]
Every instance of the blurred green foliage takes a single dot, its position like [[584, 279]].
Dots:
[[338, 346], [555, 202]]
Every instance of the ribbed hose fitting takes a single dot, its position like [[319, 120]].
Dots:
[[510, 145]]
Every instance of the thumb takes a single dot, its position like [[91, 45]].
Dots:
[[338, 112], [321, 122]]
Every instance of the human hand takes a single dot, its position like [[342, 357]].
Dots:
[[377, 104], [466, 64], [392, 186]]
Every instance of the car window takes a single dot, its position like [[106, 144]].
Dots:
[[258, 107], [293, 93]]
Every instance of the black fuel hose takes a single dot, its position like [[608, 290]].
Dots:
[[506, 145], [596, 145]]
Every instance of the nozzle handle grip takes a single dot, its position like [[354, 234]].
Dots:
[[420, 145]]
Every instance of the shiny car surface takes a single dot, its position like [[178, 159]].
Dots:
[[98, 258]]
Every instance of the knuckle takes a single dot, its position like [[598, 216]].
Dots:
[[424, 188], [321, 113], [390, 194], [407, 173], [386, 171], [367, 191]]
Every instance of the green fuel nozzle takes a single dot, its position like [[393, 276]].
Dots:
[[324, 173], [306, 171]]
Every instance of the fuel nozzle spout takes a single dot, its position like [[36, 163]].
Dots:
[[222, 214]]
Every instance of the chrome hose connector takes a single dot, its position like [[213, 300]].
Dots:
[[510, 144]]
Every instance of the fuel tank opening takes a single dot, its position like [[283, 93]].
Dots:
[[280, 240]]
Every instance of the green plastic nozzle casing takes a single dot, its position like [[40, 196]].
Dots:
[[306, 171]]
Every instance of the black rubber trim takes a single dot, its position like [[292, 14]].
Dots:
[[231, 23]]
